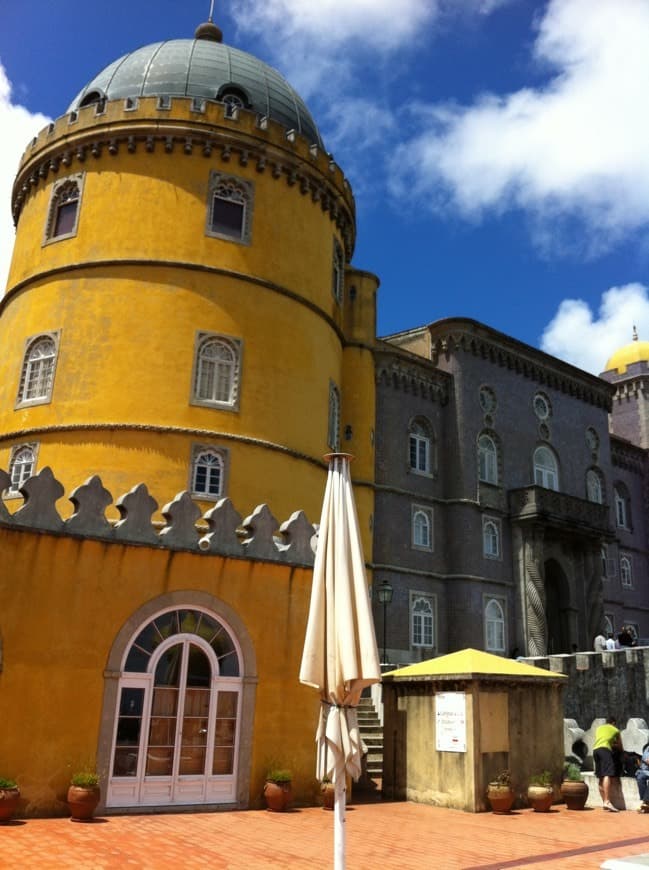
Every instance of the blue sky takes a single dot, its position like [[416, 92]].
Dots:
[[498, 149]]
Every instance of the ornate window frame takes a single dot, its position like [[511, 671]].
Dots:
[[41, 370], [18, 479], [546, 473], [222, 455], [65, 191], [423, 620], [626, 571], [495, 623], [421, 525], [491, 532], [488, 453], [200, 371], [421, 447], [233, 189]]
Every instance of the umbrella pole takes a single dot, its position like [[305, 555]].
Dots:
[[339, 822]]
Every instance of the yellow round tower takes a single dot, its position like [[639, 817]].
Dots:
[[180, 307]]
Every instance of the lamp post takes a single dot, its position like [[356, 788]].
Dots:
[[385, 598]]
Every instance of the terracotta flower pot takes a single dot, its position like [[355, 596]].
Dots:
[[501, 797], [328, 795], [82, 801], [278, 795], [540, 797], [9, 798], [575, 794]]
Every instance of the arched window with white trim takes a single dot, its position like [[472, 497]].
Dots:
[[487, 459], [177, 721], [420, 447], [216, 371], [494, 626], [594, 487], [63, 211], [422, 528], [21, 466], [622, 506], [490, 538], [546, 473], [422, 620], [626, 572], [230, 208], [37, 375], [208, 472]]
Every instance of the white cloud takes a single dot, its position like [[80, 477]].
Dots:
[[578, 146], [577, 337], [18, 126]]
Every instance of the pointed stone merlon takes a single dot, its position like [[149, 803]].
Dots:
[[259, 536]]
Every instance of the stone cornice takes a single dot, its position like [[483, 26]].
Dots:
[[409, 373], [244, 139], [463, 334], [629, 456]]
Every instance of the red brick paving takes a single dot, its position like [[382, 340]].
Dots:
[[380, 836]]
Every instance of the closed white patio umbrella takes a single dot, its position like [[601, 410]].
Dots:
[[340, 655]]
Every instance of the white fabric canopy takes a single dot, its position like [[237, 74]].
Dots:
[[340, 655]]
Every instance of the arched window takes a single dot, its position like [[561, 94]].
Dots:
[[495, 626], [626, 571], [21, 466], [490, 538], [37, 374], [216, 377], [545, 468], [594, 488], [333, 426], [422, 521], [622, 507], [230, 208], [487, 459], [178, 710], [338, 276], [63, 213], [207, 473], [422, 620], [419, 448]]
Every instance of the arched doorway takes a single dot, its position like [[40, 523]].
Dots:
[[178, 712], [557, 604]]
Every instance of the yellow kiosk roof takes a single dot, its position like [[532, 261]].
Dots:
[[467, 662]]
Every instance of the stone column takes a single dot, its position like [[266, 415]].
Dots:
[[536, 639]]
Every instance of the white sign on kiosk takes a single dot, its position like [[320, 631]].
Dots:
[[450, 721]]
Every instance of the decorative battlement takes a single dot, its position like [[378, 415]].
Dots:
[[222, 530]]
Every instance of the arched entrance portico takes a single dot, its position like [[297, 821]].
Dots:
[[177, 721]]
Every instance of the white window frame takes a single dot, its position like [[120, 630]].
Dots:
[[338, 272], [333, 420], [487, 459], [621, 508], [64, 191], [419, 448], [234, 347], [546, 474], [491, 529], [27, 467], [594, 486], [609, 624], [423, 622], [230, 188], [198, 452], [626, 571], [39, 370], [421, 522], [495, 624]]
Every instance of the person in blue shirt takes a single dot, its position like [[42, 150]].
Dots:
[[642, 778]]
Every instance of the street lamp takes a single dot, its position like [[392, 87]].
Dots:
[[385, 597]]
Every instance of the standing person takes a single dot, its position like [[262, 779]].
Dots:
[[607, 745], [610, 642], [642, 778], [599, 644]]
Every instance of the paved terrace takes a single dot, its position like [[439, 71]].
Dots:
[[380, 836]]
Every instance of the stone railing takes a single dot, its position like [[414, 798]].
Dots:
[[221, 529], [536, 502]]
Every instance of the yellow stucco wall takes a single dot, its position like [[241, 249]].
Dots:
[[62, 605]]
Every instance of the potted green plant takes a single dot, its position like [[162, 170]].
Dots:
[[278, 789], [573, 788], [9, 797], [540, 792], [83, 795], [500, 793], [328, 793]]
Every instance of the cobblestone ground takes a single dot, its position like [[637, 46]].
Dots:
[[379, 835]]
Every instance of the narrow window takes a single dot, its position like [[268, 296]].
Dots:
[[621, 508], [490, 538], [604, 560], [626, 572], [545, 469], [207, 473], [419, 445], [422, 620], [21, 466], [594, 490], [216, 371], [230, 208], [37, 375], [495, 626], [338, 277], [63, 212], [487, 460], [333, 428], [422, 522]]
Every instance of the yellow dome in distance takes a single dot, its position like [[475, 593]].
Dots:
[[635, 351]]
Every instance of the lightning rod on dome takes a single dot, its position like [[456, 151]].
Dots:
[[210, 17], [635, 333]]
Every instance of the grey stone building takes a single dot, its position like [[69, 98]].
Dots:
[[511, 494]]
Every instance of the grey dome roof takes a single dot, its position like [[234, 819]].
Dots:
[[205, 69]]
